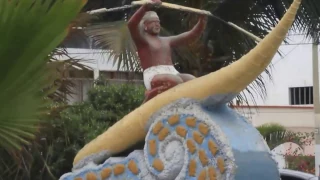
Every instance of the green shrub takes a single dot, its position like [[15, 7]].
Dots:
[[267, 129]]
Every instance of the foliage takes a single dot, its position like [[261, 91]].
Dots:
[[115, 37], [276, 134], [64, 133], [62, 63], [301, 163], [116, 101], [267, 129], [30, 31]]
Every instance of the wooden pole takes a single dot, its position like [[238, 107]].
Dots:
[[104, 10], [245, 32], [198, 11], [176, 7]]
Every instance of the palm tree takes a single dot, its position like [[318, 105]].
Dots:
[[220, 44], [30, 31], [276, 134]]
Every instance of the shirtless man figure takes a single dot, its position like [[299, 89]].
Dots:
[[154, 51]]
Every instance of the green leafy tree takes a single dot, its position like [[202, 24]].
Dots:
[[30, 31], [115, 101], [276, 134], [68, 129]]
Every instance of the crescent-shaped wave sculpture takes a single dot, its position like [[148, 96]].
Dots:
[[209, 140]]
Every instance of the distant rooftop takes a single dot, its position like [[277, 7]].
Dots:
[[92, 58]]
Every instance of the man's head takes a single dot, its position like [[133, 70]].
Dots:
[[151, 23]]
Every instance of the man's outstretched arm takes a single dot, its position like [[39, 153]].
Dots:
[[190, 36]]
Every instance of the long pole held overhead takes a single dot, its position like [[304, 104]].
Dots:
[[177, 7]]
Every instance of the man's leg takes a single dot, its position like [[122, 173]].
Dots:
[[161, 83]]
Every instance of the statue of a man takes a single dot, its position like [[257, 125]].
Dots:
[[154, 51]]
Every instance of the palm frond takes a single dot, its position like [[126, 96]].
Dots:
[[185, 57], [275, 135], [62, 62], [29, 30], [114, 40]]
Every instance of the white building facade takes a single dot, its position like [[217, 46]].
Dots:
[[289, 99], [292, 75]]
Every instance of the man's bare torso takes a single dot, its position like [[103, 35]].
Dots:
[[155, 51]]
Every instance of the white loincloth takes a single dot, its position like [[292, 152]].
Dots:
[[149, 73]]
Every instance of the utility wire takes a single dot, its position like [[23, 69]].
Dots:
[[280, 59], [296, 45]]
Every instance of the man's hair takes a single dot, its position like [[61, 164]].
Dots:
[[150, 15]]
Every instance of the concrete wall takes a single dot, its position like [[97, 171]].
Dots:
[[81, 88], [293, 69], [290, 117]]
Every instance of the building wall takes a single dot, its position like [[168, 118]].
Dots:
[[294, 69], [80, 89], [290, 117], [94, 58], [102, 66]]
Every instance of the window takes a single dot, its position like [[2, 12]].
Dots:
[[301, 95]]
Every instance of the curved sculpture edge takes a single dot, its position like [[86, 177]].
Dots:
[[183, 142]]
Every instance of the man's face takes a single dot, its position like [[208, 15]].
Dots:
[[152, 26]]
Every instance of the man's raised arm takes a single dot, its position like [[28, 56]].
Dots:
[[137, 17], [133, 23], [190, 36]]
